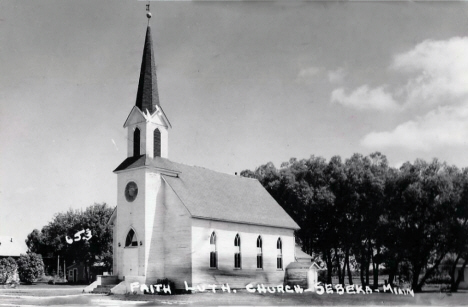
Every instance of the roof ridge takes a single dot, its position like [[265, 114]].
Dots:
[[131, 162], [210, 170]]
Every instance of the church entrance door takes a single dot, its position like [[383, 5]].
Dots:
[[130, 261]]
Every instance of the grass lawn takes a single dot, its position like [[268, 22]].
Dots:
[[60, 295], [42, 290], [304, 299]]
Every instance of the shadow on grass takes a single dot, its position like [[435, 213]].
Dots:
[[57, 301]]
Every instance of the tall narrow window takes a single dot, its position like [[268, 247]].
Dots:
[[237, 254], [279, 257], [157, 143], [213, 252], [132, 239], [136, 142], [259, 253]]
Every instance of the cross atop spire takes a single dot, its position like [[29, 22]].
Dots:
[[147, 95], [148, 14]]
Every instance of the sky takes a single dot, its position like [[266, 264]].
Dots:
[[243, 83]]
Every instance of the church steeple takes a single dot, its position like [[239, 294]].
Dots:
[[147, 95], [147, 124]]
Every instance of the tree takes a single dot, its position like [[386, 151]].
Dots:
[[8, 269], [301, 188], [363, 200], [459, 230], [338, 234], [52, 237], [36, 243], [392, 232], [100, 245], [30, 267], [366, 212], [421, 209]]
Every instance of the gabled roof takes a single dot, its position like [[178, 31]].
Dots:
[[11, 247], [75, 265], [301, 256], [112, 217], [147, 95], [81, 264], [136, 116], [303, 266], [217, 196]]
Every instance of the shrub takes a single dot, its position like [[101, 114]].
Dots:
[[166, 283], [322, 276], [30, 267], [8, 270], [439, 280]]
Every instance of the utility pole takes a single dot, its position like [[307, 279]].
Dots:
[[58, 265]]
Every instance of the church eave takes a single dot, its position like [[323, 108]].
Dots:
[[143, 161], [135, 109], [246, 223], [165, 117], [112, 217]]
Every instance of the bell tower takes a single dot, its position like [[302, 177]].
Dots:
[[138, 182]]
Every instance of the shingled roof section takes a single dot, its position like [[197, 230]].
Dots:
[[147, 95], [217, 196]]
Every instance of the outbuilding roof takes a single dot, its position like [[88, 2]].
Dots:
[[301, 256], [217, 196], [10, 247]]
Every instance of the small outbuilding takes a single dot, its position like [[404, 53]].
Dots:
[[79, 273], [304, 274], [76, 273], [464, 276]]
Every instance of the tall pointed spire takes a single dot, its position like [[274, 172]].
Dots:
[[147, 95]]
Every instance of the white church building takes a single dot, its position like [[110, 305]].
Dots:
[[186, 223]]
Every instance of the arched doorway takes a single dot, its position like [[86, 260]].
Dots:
[[130, 254]]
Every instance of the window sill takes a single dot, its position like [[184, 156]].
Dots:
[[259, 269], [237, 269], [213, 268], [130, 246]]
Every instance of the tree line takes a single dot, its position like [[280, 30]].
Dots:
[[363, 215], [51, 240]]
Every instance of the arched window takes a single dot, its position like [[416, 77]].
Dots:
[[136, 142], [237, 254], [213, 251], [259, 253], [279, 257], [131, 239], [157, 143]]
